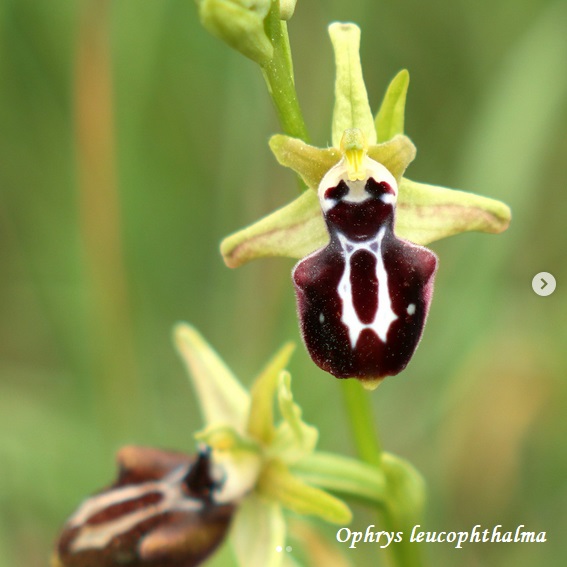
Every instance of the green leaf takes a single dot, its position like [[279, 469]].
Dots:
[[261, 418], [279, 485], [294, 438], [258, 529], [240, 24], [221, 397], [352, 109], [390, 118], [427, 213], [292, 231]]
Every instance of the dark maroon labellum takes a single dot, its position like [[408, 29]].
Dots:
[[364, 298], [160, 513]]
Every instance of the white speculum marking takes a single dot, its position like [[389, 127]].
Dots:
[[99, 535], [384, 314]]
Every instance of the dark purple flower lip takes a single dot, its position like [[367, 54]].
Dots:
[[364, 298]]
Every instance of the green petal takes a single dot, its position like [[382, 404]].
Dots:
[[278, 484], [258, 529], [261, 418], [427, 213], [240, 24], [395, 154], [390, 118], [312, 163], [292, 231], [221, 396], [351, 100], [294, 438], [309, 162]]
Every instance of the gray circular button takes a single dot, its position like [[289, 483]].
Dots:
[[544, 284]]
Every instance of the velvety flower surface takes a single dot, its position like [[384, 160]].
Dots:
[[161, 512], [362, 299]]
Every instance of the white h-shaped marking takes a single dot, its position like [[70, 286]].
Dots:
[[384, 314]]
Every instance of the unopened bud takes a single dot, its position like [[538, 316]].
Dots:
[[240, 23]]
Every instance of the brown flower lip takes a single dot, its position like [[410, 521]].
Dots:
[[161, 512]]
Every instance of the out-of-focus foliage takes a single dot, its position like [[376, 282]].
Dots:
[[131, 142]]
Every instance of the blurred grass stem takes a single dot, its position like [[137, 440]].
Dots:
[[112, 346]]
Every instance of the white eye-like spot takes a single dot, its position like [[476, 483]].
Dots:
[[411, 309], [321, 318]]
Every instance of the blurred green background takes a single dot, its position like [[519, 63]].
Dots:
[[131, 142]]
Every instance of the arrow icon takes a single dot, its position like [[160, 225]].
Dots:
[[544, 284]]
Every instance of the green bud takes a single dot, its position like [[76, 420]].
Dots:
[[287, 8], [240, 23]]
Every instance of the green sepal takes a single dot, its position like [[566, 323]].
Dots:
[[261, 418], [292, 231], [258, 530], [390, 118], [276, 483], [240, 24], [352, 109], [427, 213], [222, 398]]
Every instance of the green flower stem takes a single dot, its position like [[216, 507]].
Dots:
[[359, 412], [401, 497], [278, 73]]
